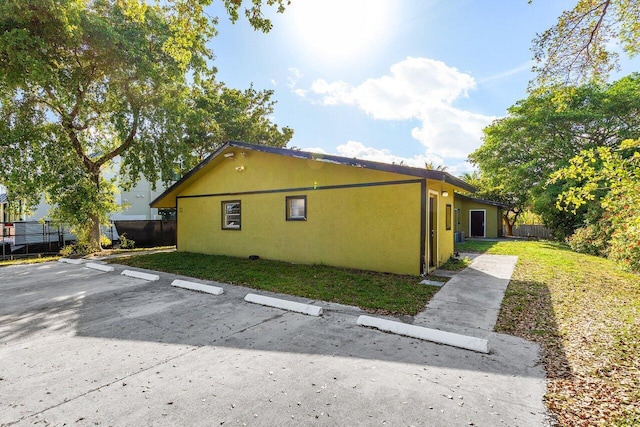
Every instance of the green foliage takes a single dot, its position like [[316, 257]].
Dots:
[[456, 264], [23, 261], [540, 135], [83, 82], [77, 249], [254, 14], [529, 218], [578, 49], [609, 178], [475, 246], [590, 239], [562, 224], [624, 245], [215, 114], [104, 241], [126, 243]]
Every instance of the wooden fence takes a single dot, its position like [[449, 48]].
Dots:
[[537, 231]]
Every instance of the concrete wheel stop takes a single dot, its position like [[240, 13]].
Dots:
[[140, 275], [311, 310], [434, 335], [201, 287], [101, 267]]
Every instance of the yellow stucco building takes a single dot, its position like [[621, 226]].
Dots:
[[478, 217], [309, 208]]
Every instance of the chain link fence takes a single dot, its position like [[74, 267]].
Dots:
[[33, 238]]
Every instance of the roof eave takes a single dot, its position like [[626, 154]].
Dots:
[[189, 174], [354, 162]]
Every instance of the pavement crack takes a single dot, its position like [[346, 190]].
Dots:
[[246, 328]]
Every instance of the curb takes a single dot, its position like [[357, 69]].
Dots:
[[100, 267], [214, 290], [140, 275], [441, 337], [311, 310]]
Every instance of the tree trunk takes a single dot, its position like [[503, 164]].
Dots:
[[508, 224], [509, 229], [94, 233], [94, 220]]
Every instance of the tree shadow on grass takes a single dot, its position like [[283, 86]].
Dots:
[[558, 246], [527, 312]]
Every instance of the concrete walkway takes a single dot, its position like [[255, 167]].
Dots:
[[470, 301]]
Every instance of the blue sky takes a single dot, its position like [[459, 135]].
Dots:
[[404, 80]]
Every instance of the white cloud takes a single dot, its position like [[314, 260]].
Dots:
[[416, 89], [460, 169], [301, 92], [294, 77], [355, 149], [520, 68], [451, 132], [359, 150], [333, 93]]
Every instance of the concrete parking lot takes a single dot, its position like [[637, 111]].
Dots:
[[85, 347]]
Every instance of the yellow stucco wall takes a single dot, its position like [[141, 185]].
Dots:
[[492, 217], [372, 227], [445, 243]]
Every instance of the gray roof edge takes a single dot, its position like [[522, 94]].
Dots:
[[369, 164], [189, 174], [485, 201]]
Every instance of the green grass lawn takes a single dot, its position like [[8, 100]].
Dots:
[[456, 264], [585, 312], [29, 260], [374, 292]]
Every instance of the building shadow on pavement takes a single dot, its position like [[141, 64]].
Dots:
[[135, 310]]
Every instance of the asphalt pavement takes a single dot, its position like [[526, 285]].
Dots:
[[83, 347]]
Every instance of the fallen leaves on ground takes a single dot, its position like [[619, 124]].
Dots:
[[585, 313]]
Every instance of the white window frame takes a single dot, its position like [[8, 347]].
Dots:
[[484, 223], [226, 215]]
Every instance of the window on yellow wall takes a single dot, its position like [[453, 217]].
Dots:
[[231, 215], [448, 217], [296, 207]]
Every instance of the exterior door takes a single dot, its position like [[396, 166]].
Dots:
[[433, 234], [477, 220]]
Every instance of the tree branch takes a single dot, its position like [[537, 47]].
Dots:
[[135, 110]]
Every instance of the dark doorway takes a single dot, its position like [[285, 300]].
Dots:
[[433, 234], [477, 223]]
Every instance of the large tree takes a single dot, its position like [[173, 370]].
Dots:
[[215, 114], [84, 81], [541, 134], [580, 48], [610, 178]]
